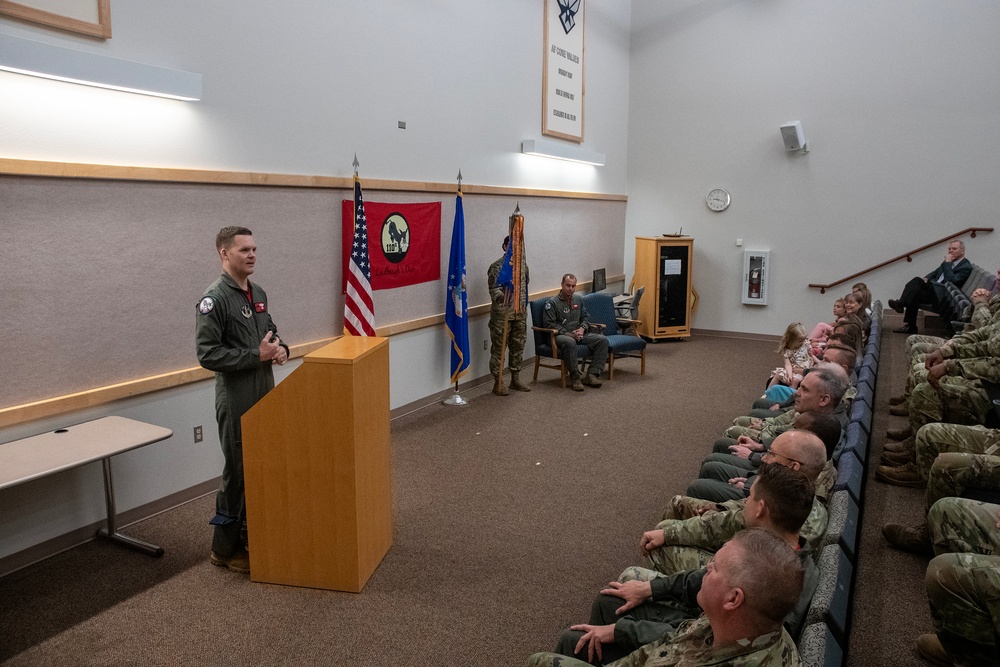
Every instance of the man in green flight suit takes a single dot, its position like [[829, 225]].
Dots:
[[237, 339], [566, 314]]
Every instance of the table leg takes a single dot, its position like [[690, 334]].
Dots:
[[111, 532]]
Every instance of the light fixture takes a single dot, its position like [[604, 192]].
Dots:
[[25, 56], [560, 151]]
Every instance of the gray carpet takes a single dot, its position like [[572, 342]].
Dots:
[[509, 515]]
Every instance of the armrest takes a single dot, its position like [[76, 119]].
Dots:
[[597, 326], [552, 339]]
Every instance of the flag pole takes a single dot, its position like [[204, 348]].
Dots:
[[456, 398]]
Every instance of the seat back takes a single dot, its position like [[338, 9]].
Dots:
[[601, 310], [542, 340], [637, 296]]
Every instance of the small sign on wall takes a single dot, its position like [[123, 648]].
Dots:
[[756, 267], [562, 70]]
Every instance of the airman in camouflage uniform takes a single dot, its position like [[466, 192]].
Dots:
[[754, 561], [517, 329], [950, 476], [964, 594], [932, 440]]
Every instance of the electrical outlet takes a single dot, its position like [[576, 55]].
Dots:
[[486, 344], [198, 434]]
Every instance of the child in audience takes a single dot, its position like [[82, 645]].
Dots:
[[820, 332], [797, 352]]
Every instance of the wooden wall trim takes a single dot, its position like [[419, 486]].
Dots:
[[49, 407], [16, 167]]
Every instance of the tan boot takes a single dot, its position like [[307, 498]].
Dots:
[[577, 385], [592, 380], [901, 410], [498, 387], [930, 649], [515, 382], [915, 539], [904, 475], [899, 433], [908, 445], [238, 562], [898, 458], [896, 400]]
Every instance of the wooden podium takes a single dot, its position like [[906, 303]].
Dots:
[[316, 463]]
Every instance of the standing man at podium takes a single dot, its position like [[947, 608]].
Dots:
[[237, 339]]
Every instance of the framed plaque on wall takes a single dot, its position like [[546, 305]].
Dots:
[[562, 70], [87, 17]]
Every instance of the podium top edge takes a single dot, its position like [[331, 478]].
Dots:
[[346, 350]]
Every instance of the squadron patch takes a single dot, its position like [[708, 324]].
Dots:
[[206, 305], [247, 313]]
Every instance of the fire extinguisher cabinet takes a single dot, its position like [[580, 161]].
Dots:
[[756, 267], [663, 267]]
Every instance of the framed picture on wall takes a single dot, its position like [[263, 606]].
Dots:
[[562, 70], [87, 17]]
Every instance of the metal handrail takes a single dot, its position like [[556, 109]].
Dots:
[[908, 256]]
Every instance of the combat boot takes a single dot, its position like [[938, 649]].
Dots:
[[930, 649], [915, 539], [899, 433], [498, 387], [515, 382], [896, 400], [908, 445], [904, 475], [899, 458], [900, 410], [592, 380], [577, 385]]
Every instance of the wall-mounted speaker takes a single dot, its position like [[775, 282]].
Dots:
[[792, 135]]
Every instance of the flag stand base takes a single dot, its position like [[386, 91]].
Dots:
[[455, 399]]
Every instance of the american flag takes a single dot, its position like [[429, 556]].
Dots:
[[359, 309]]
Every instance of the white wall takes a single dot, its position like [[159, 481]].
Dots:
[[900, 109], [299, 89]]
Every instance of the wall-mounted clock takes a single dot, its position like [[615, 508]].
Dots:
[[717, 200]]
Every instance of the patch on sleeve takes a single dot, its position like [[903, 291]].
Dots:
[[206, 305], [548, 305]]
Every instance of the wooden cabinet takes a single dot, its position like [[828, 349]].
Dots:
[[663, 266]]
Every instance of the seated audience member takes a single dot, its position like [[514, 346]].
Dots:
[[818, 336], [749, 588], [644, 606], [951, 475], [796, 353], [963, 583], [865, 294], [566, 314], [953, 390], [677, 545], [821, 390], [930, 289], [729, 476], [911, 467], [854, 305], [962, 590]]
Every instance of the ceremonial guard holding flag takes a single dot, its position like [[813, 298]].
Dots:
[[503, 312]]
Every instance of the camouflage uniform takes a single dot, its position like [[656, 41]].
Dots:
[[517, 330], [964, 594], [957, 400], [952, 474], [693, 644], [690, 543], [961, 525], [769, 428], [934, 439]]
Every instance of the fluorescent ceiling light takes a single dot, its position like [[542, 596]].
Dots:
[[560, 151], [25, 56]]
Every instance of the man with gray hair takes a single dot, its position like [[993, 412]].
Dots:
[[930, 289]]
